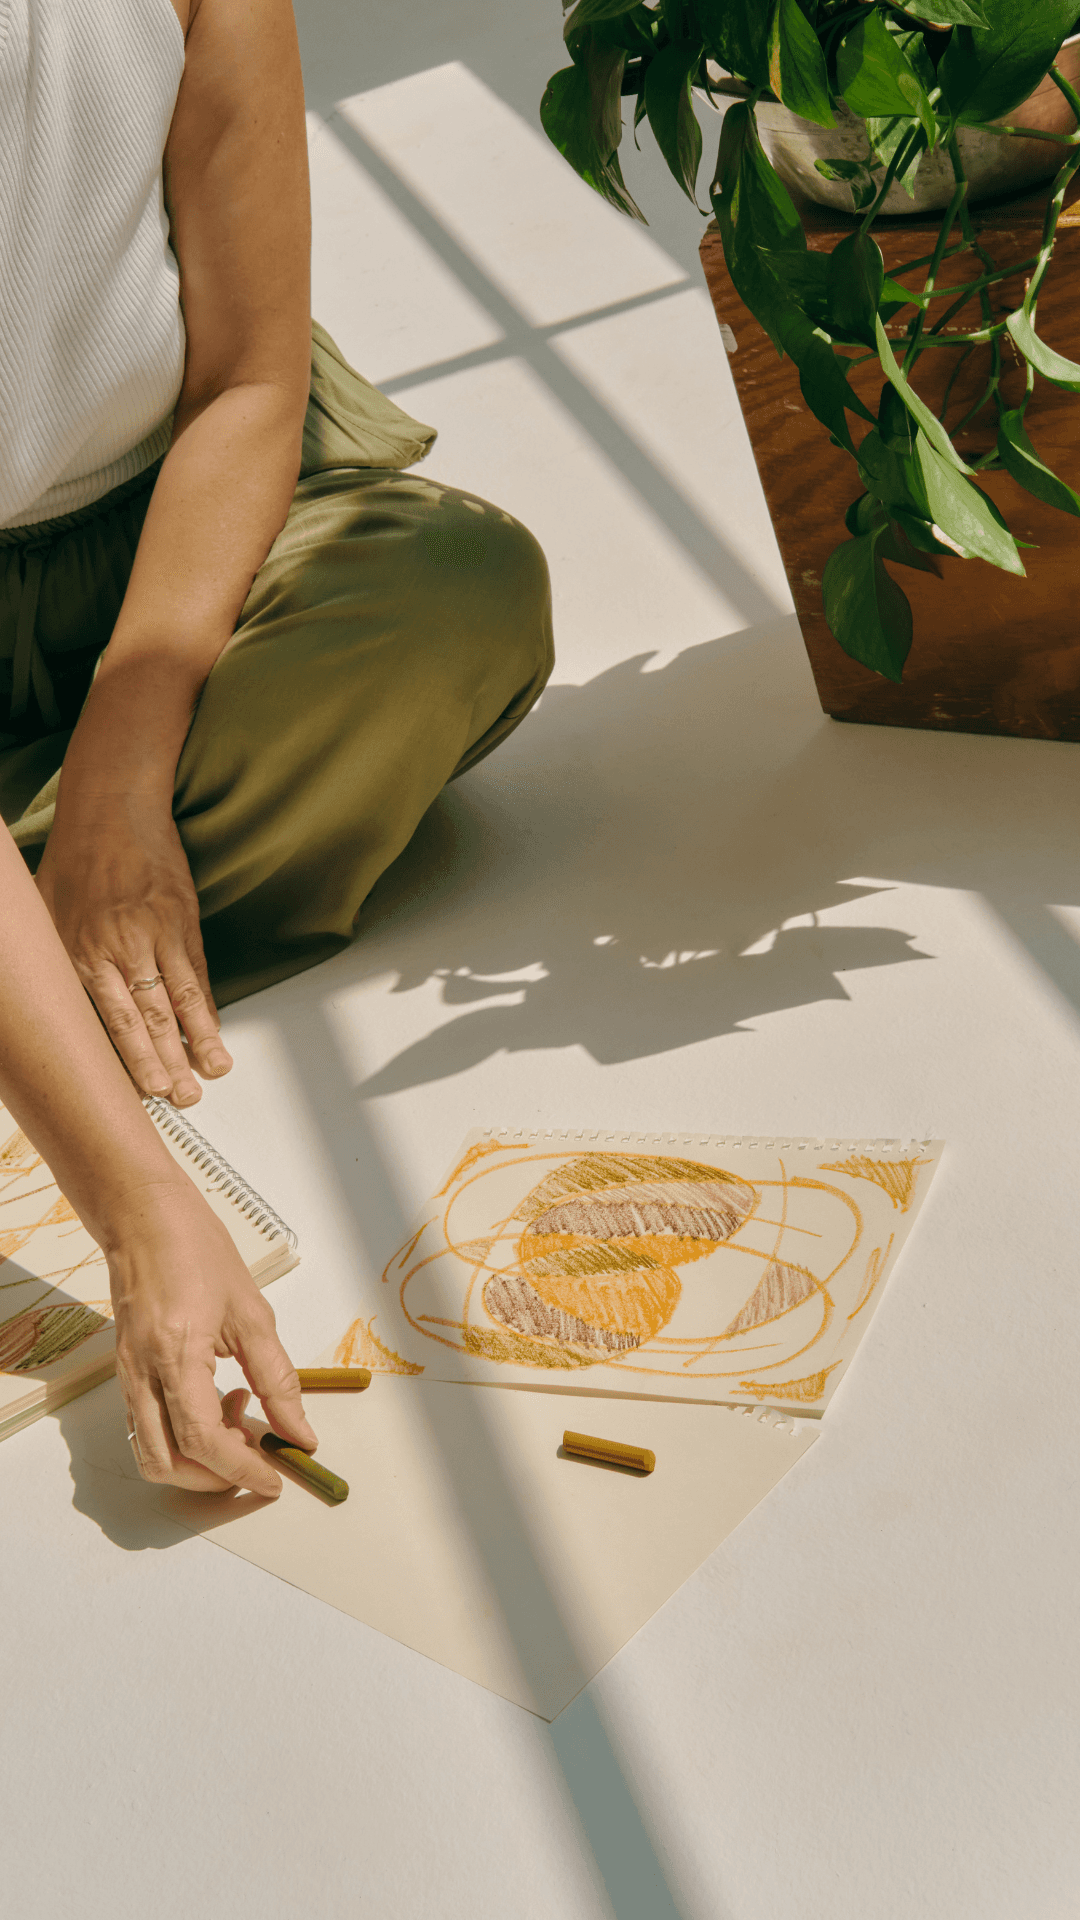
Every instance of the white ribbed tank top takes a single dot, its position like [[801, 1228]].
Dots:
[[91, 334]]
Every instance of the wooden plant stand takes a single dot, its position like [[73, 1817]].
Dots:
[[992, 653]]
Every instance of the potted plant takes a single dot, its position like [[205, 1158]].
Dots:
[[884, 107]]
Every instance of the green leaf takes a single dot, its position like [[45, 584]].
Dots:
[[797, 72], [885, 137], [924, 488], [912, 44], [895, 424], [920, 534], [669, 104], [948, 13], [863, 515], [875, 76], [893, 478], [822, 376], [737, 34], [1052, 366], [866, 610], [856, 280], [804, 277], [987, 72], [894, 296], [581, 113], [855, 174], [928, 421], [587, 11], [1021, 460], [754, 212], [895, 545], [963, 513]]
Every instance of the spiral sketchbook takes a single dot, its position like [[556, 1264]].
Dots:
[[56, 1331]]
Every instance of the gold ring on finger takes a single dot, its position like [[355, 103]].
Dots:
[[144, 986]]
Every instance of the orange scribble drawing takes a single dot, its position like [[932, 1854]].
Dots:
[[803, 1392], [897, 1178], [652, 1271], [360, 1346], [469, 1159]]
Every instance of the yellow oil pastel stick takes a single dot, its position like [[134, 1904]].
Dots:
[[585, 1446], [302, 1463], [333, 1379]]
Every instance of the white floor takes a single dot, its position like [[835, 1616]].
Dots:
[[679, 897]]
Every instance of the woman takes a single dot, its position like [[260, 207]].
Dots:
[[242, 649]]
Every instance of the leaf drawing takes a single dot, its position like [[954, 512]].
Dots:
[[44, 1334], [703, 1210], [596, 1173], [809, 1388], [780, 1288], [511, 1301], [604, 1236], [659, 1271], [897, 1178], [360, 1346]]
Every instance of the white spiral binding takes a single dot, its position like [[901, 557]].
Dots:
[[216, 1168]]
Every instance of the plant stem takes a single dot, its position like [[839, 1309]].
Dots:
[[900, 158], [951, 212], [988, 395], [1050, 225], [1001, 273], [954, 375], [1031, 133], [1070, 93]]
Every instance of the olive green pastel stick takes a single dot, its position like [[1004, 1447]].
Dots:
[[333, 1379], [613, 1453], [302, 1463]]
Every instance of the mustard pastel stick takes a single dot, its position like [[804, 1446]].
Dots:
[[613, 1453], [333, 1379], [302, 1463]]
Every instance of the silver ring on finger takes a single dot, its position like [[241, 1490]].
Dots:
[[146, 986]]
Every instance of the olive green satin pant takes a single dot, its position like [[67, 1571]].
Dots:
[[397, 631]]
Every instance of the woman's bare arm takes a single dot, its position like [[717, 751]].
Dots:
[[181, 1293], [113, 873]]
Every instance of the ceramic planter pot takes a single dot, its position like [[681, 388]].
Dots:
[[995, 166]]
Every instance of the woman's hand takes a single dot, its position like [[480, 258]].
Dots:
[[116, 882], [182, 1297]]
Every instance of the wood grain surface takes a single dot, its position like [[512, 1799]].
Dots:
[[992, 653]]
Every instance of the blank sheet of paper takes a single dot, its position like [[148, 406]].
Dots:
[[468, 1536]]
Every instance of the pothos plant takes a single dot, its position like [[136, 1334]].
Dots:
[[913, 75]]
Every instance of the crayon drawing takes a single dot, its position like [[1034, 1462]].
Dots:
[[40, 1322], [734, 1272]]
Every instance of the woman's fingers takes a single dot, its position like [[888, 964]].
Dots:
[[156, 1454], [141, 1017], [154, 1003], [191, 1002], [202, 1437], [273, 1377], [125, 1024]]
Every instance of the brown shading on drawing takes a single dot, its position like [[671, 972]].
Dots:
[[897, 1178], [729, 1275], [44, 1334]]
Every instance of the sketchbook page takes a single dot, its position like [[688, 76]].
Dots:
[[678, 1266], [468, 1536], [56, 1330]]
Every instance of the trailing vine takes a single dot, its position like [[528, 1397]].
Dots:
[[914, 75]]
